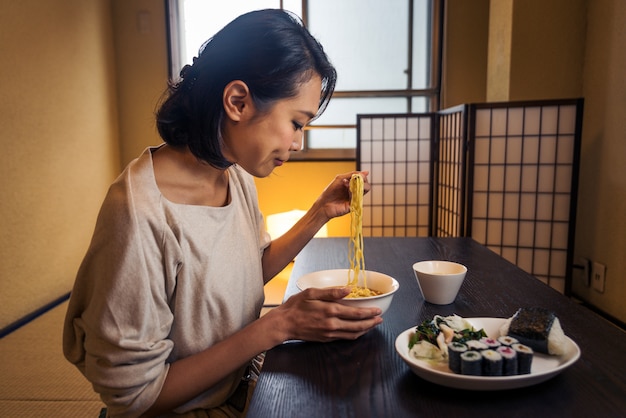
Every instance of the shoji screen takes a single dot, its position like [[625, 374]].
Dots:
[[525, 175], [505, 174], [396, 150], [450, 175]]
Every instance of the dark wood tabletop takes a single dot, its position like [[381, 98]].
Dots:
[[367, 378]]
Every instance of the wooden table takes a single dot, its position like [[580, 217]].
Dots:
[[367, 378]]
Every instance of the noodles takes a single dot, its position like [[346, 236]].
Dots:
[[355, 254], [362, 292], [355, 245]]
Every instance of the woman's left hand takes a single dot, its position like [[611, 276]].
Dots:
[[335, 199]]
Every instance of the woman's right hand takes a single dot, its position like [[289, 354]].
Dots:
[[316, 315]]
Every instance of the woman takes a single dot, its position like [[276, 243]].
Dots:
[[164, 315]]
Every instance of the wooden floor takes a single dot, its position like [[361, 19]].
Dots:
[[37, 381]]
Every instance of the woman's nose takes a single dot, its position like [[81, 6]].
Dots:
[[296, 145]]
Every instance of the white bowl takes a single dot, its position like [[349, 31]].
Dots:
[[439, 281], [339, 277]]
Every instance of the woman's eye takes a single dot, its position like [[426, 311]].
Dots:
[[297, 126]]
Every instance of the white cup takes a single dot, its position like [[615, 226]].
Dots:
[[439, 281]]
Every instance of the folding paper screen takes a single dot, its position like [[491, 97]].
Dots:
[[396, 150], [505, 174], [524, 188], [450, 173]]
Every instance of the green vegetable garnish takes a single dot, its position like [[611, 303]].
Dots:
[[426, 331], [429, 330], [469, 334]]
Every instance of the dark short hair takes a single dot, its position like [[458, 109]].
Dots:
[[270, 50]]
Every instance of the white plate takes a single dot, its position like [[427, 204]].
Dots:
[[543, 367]]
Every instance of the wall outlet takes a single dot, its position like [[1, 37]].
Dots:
[[598, 276]]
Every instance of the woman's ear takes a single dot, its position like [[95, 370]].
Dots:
[[237, 100]]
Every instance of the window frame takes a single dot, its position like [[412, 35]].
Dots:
[[432, 94]]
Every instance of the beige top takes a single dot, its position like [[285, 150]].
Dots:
[[159, 282]]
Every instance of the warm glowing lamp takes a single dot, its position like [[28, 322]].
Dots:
[[279, 223]]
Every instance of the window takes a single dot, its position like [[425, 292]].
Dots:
[[386, 53]]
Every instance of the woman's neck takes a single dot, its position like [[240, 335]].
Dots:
[[182, 178]]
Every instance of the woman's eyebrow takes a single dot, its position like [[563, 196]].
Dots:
[[307, 113]]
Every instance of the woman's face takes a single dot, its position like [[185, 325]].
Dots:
[[261, 142]]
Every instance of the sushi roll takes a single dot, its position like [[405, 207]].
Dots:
[[476, 345], [455, 349], [537, 328], [524, 358], [471, 363], [492, 363], [509, 360], [507, 340], [490, 342]]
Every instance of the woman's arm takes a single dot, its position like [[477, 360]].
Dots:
[[311, 315], [333, 202]]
